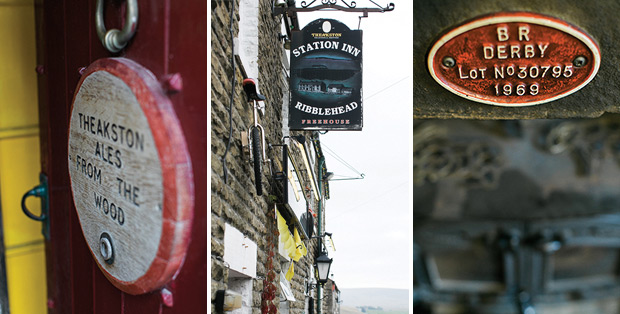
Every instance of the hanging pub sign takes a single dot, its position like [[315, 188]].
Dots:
[[326, 77]]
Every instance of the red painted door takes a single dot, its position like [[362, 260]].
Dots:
[[171, 37]]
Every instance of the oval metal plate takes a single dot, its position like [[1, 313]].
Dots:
[[514, 59]]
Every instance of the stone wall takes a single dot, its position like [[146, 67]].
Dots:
[[234, 200], [331, 298]]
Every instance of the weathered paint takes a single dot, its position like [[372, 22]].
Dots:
[[19, 160], [514, 59], [130, 174], [171, 38]]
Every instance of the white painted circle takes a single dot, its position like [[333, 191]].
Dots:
[[327, 27], [116, 175]]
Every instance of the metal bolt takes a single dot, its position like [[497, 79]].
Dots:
[[40, 69], [580, 61], [167, 297], [106, 248], [448, 62], [173, 83]]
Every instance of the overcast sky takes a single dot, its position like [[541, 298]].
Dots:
[[371, 219]]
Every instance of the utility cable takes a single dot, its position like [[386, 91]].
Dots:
[[370, 199], [341, 160], [232, 91], [385, 88]]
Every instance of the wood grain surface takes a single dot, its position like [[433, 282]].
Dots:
[[130, 174]]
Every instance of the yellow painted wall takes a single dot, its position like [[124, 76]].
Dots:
[[19, 157]]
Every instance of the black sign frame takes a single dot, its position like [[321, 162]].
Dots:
[[326, 77]]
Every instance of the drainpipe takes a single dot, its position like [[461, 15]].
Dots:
[[320, 228]]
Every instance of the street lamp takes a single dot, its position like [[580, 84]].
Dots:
[[322, 265]]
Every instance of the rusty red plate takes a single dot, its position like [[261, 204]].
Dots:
[[514, 59]]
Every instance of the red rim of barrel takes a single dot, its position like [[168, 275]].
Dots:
[[178, 188]]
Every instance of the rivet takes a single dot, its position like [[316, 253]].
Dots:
[[40, 69], [106, 248], [166, 297], [448, 62], [173, 83], [580, 61]]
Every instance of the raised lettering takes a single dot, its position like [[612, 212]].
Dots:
[[523, 33], [542, 48], [487, 51], [499, 72], [514, 51], [502, 33], [529, 51], [461, 75], [501, 52]]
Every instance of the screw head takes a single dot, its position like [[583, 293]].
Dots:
[[448, 62], [106, 248], [173, 83], [580, 61], [166, 297], [40, 69]]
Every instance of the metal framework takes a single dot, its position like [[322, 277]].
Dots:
[[331, 5]]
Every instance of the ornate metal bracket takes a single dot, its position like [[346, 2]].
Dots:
[[330, 5], [438, 155]]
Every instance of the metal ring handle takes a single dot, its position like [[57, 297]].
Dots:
[[36, 191], [115, 40]]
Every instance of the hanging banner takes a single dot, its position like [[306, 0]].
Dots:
[[326, 77]]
